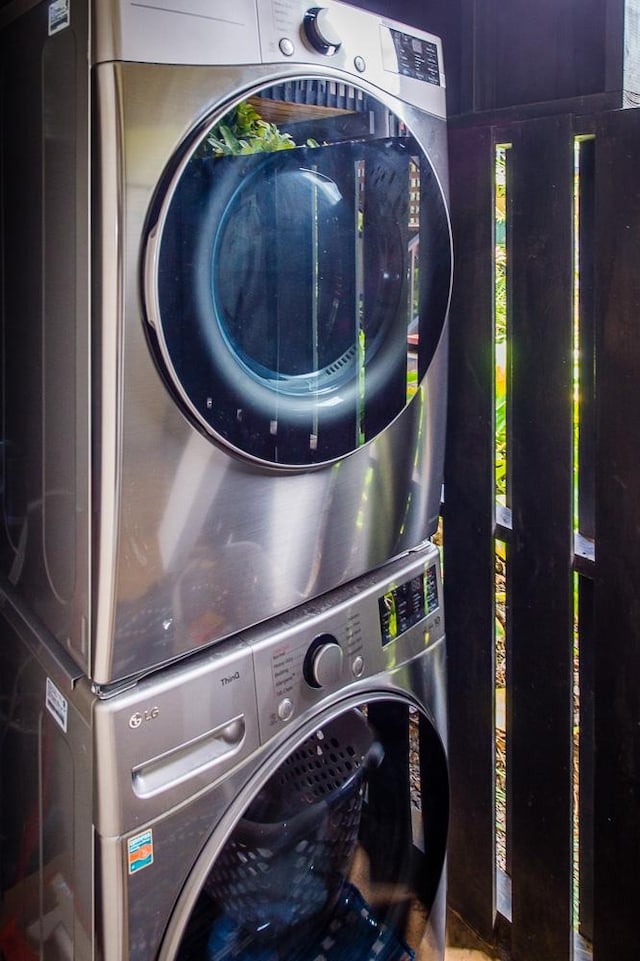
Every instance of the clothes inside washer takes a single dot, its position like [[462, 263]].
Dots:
[[288, 856], [352, 934]]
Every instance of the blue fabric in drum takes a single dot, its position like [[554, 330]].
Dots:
[[352, 934]]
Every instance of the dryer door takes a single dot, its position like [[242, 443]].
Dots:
[[338, 855], [298, 270]]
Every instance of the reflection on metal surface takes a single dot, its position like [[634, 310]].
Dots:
[[154, 780], [289, 257], [284, 441], [213, 528], [242, 491]]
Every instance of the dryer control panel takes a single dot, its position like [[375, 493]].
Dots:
[[401, 60], [375, 625]]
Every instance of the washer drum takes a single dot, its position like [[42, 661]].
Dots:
[[289, 855]]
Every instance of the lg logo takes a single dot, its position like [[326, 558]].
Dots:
[[141, 716]]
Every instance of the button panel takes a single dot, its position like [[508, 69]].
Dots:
[[355, 632], [402, 60], [417, 58]]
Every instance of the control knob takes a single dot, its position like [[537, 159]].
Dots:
[[320, 32], [323, 662]]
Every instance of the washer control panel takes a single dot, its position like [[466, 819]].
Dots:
[[374, 625], [406, 604]]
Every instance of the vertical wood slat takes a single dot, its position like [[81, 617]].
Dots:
[[540, 556], [617, 581], [586, 527], [389, 797], [468, 534], [586, 441]]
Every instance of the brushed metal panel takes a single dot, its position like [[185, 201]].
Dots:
[[163, 31], [196, 545], [180, 730], [86, 773], [46, 789], [263, 31], [46, 538]]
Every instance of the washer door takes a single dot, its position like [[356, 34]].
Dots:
[[338, 855], [298, 271]]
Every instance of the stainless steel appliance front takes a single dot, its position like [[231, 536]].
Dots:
[[131, 825], [177, 476]]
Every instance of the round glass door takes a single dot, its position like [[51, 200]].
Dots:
[[340, 853], [301, 274]]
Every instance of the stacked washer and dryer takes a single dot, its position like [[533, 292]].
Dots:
[[226, 268]]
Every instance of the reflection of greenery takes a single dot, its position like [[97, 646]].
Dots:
[[412, 384], [501, 598], [500, 438], [361, 370], [243, 131], [501, 328]]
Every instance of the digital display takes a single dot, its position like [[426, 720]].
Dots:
[[416, 58], [431, 590], [407, 604]]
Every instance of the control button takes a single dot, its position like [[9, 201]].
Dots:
[[286, 47], [320, 32], [327, 665], [357, 666], [323, 662], [285, 709], [360, 64]]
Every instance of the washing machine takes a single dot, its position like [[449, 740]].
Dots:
[[282, 795], [226, 275]]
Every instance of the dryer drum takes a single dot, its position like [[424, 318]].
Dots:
[[296, 297], [288, 856]]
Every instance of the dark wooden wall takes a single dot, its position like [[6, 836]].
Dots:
[[543, 554]]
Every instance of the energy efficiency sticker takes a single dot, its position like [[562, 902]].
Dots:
[[140, 851]]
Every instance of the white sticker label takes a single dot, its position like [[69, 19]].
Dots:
[[57, 705], [59, 16]]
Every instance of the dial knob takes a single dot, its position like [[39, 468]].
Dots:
[[320, 32], [323, 663]]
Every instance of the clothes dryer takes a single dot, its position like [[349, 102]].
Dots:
[[224, 366], [279, 796]]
